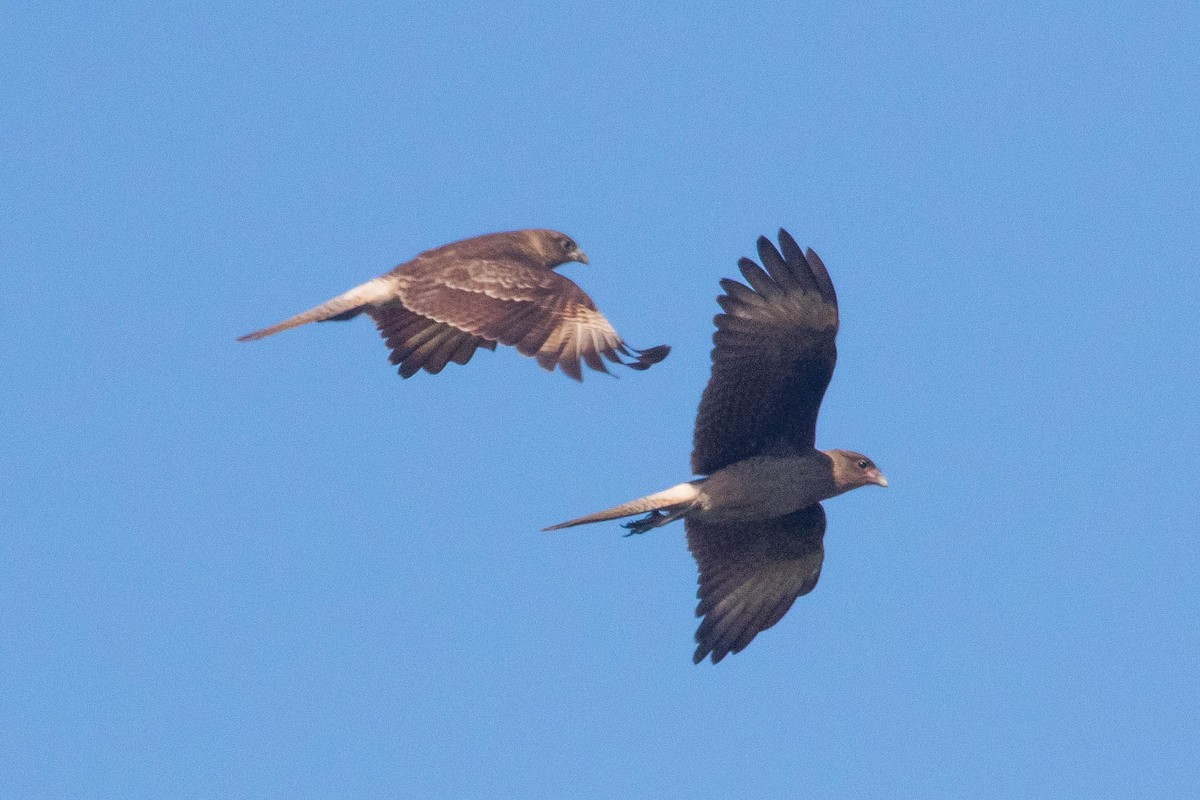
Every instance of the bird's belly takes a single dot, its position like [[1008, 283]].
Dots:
[[761, 488]]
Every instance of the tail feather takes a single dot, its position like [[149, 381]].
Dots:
[[344, 306], [674, 499]]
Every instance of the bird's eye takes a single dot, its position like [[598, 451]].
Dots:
[[568, 245], [864, 464]]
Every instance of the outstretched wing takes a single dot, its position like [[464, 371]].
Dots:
[[773, 358], [751, 573], [418, 342], [540, 312]]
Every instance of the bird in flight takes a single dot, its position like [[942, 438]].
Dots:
[[754, 522], [498, 288]]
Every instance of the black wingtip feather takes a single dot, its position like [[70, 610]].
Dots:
[[787, 242], [821, 274], [771, 260], [651, 356], [642, 359], [758, 278], [799, 272], [745, 264], [764, 245], [792, 253]]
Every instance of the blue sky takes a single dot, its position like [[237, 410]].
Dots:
[[277, 570]]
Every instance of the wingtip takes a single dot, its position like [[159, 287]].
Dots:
[[643, 359], [704, 651], [653, 355], [769, 255], [787, 242]]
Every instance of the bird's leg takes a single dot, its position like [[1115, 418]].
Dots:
[[646, 523], [655, 519]]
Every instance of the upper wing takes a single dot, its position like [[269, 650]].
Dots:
[[773, 358], [751, 573], [540, 312]]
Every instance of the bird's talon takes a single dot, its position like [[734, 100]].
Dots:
[[646, 523]]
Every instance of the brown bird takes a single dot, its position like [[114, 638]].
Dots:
[[755, 523], [498, 288]]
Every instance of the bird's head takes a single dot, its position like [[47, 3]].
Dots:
[[555, 248], [852, 470]]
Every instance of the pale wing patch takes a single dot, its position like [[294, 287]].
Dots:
[[499, 281], [811, 308], [541, 313]]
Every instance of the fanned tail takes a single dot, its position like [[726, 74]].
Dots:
[[675, 501]]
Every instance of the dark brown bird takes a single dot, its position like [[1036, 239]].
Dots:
[[755, 524], [498, 288]]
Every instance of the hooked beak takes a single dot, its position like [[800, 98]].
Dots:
[[876, 477], [581, 257]]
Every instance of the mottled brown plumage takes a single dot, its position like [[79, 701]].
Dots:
[[755, 523], [443, 305]]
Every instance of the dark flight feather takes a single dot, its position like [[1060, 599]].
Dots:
[[773, 358], [750, 574], [755, 523]]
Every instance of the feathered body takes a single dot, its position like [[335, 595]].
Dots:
[[755, 523], [500, 288]]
